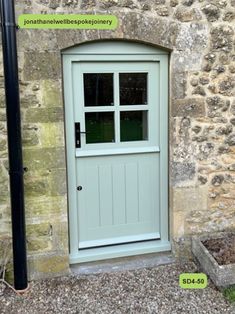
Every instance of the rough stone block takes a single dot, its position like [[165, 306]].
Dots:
[[87, 4], [44, 158], [68, 37], [219, 217], [36, 186], [31, 43], [70, 3], [190, 199], [229, 16], [29, 101], [42, 65], [186, 15], [44, 115], [178, 85], [54, 4], [178, 224], [162, 33], [51, 93], [226, 85], [192, 107], [181, 172], [174, 3], [47, 266], [58, 184], [222, 37], [3, 129], [52, 134], [30, 137], [39, 245], [188, 3], [181, 248], [45, 206], [230, 140], [212, 12], [193, 37], [60, 235], [3, 176], [104, 4], [39, 230], [2, 115], [39, 236], [3, 144], [220, 3], [2, 98], [199, 90], [187, 60], [163, 10]]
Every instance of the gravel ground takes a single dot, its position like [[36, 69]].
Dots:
[[148, 290]]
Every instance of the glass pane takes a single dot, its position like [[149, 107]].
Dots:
[[99, 127], [134, 125], [98, 89], [133, 88]]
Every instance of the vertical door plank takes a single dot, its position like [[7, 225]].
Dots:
[[91, 189], [132, 198], [106, 195], [119, 194], [145, 191], [155, 184]]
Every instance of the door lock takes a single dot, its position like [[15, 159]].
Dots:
[[79, 188]]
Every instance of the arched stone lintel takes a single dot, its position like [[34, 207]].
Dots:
[[133, 27]]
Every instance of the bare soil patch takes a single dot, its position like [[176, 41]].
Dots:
[[222, 249]]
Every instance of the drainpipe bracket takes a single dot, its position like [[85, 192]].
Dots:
[[20, 172], [8, 24]]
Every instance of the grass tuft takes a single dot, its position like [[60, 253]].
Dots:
[[229, 293]]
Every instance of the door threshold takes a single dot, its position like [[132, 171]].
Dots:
[[123, 264], [124, 250]]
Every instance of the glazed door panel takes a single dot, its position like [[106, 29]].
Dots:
[[116, 110]]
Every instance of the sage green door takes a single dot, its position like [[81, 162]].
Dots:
[[116, 100], [117, 158]]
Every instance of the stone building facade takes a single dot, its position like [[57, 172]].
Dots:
[[200, 36]]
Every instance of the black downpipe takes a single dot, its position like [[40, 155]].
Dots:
[[14, 142]]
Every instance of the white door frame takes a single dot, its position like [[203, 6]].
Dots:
[[115, 51]]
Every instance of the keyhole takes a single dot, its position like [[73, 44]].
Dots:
[[79, 188]]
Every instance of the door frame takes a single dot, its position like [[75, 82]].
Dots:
[[115, 51]]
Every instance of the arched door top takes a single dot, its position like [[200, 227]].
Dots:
[[114, 47]]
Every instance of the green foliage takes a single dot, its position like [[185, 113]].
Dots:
[[229, 293]]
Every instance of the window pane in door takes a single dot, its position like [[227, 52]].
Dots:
[[98, 89], [133, 88], [99, 127], [134, 126]]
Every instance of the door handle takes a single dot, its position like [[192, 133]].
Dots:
[[78, 133]]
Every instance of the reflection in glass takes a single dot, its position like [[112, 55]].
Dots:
[[98, 89], [133, 88], [134, 125], [99, 127]]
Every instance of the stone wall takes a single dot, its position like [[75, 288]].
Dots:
[[200, 35]]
